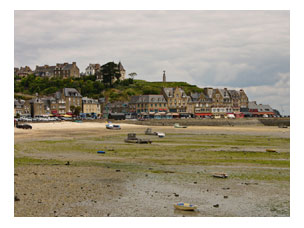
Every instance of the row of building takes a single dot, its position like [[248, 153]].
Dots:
[[173, 102], [66, 70]]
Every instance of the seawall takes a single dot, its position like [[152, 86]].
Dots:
[[214, 122]]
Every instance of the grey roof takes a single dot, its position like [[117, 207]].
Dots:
[[102, 100], [170, 91], [87, 100], [67, 67], [148, 99], [45, 69], [18, 102], [259, 107], [224, 95], [234, 93], [195, 96], [71, 92], [120, 67], [209, 92]]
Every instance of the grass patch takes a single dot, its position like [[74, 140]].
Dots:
[[19, 161]]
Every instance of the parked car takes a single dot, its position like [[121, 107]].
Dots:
[[24, 126]]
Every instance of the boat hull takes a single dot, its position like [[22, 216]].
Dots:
[[185, 207]]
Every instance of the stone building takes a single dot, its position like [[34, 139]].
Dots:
[[37, 107], [23, 71], [148, 104], [243, 99], [122, 71], [92, 69], [65, 70], [69, 97], [91, 106], [200, 104], [22, 107], [177, 99], [44, 71]]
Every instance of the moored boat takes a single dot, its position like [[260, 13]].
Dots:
[[185, 206], [220, 175]]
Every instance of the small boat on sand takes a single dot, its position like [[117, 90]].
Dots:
[[271, 150], [113, 126], [185, 206], [220, 175], [133, 139], [176, 125], [161, 135]]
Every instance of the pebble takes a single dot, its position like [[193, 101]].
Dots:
[[194, 182], [215, 205], [17, 198], [225, 197], [117, 170]]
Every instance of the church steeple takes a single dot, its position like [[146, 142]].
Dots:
[[164, 76]]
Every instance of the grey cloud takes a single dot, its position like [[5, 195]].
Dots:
[[233, 48]]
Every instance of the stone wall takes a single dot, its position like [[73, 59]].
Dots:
[[215, 122]]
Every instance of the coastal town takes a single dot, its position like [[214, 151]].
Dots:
[[151, 113], [171, 103]]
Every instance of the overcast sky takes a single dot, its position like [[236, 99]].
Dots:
[[233, 49]]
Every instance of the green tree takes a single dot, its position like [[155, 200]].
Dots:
[[109, 72], [132, 75], [72, 108], [77, 111]]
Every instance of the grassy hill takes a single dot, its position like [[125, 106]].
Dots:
[[88, 86]]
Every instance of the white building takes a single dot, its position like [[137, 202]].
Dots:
[[91, 69]]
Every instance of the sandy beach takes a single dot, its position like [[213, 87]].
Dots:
[[59, 173]]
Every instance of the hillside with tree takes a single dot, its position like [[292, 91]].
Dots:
[[105, 83]]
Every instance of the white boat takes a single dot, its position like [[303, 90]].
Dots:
[[113, 126], [185, 206], [161, 135]]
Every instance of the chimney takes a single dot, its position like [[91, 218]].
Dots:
[[65, 64], [74, 63]]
